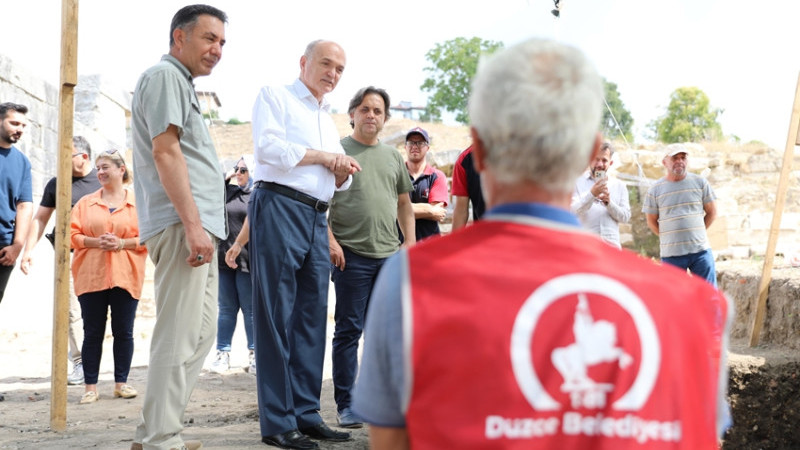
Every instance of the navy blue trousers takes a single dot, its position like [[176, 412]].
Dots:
[[94, 310], [289, 266], [5, 275], [700, 264], [353, 288]]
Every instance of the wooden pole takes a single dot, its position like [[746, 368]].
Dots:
[[780, 199], [69, 78]]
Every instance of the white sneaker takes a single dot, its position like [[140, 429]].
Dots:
[[252, 368], [222, 364], [76, 377]]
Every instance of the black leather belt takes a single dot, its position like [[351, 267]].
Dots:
[[318, 205]]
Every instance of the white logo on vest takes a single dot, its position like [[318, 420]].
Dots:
[[582, 284], [595, 343]]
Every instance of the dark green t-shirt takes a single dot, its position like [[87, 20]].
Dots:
[[364, 217]]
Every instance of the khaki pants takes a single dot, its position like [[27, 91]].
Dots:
[[75, 324], [186, 324]]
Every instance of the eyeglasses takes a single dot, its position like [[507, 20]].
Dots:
[[417, 144], [111, 152], [76, 154], [240, 170]]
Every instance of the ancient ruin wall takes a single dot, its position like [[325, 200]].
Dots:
[[101, 114]]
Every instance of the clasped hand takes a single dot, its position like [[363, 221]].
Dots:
[[343, 166], [109, 242]]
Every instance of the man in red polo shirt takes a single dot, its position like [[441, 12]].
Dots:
[[429, 197], [544, 336]]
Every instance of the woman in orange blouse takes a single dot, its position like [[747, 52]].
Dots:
[[108, 269]]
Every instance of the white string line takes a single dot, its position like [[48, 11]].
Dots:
[[641, 180]]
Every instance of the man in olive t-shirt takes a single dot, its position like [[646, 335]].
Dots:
[[363, 233]]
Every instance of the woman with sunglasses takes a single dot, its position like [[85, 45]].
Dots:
[[235, 290], [108, 269]]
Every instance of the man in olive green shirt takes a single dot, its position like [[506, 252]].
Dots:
[[363, 233]]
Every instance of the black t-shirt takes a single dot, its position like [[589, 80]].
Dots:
[[236, 200], [422, 189], [80, 186]]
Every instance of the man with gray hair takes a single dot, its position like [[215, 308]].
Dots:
[[300, 163], [523, 276], [679, 208], [600, 202], [84, 181]]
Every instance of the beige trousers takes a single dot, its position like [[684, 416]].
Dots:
[[184, 332], [75, 324]]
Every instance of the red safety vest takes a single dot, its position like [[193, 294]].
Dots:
[[545, 337]]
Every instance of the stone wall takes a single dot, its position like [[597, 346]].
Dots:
[[745, 181], [101, 115], [739, 280]]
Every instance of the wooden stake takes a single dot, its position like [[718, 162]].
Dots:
[[69, 78], [780, 199]]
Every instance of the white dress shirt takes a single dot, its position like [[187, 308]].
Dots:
[[596, 216], [288, 120]]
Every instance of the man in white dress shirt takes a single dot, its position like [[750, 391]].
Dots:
[[299, 163], [601, 203]]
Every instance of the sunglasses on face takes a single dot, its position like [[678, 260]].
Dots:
[[240, 170]]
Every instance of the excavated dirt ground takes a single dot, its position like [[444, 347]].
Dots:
[[765, 396], [764, 387]]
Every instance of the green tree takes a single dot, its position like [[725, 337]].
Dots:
[[453, 65], [620, 113], [689, 118]]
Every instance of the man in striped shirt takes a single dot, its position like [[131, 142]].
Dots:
[[679, 208]]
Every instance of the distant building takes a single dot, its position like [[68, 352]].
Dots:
[[407, 111], [209, 104]]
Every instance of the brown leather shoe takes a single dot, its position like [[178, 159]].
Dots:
[[137, 446]]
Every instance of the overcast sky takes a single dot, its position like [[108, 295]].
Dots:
[[736, 51]]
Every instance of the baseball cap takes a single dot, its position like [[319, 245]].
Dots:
[[420, 131], [674, 149]]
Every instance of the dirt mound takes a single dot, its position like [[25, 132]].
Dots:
[[234, 140], [765, 402]]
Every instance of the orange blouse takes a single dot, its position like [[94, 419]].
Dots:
[[94, 269]]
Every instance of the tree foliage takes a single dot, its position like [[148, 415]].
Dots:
[[689, 118], [453, 65], [620, 113]]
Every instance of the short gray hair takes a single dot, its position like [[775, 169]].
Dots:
[[536, 107], [82, 145], [607, 146]]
